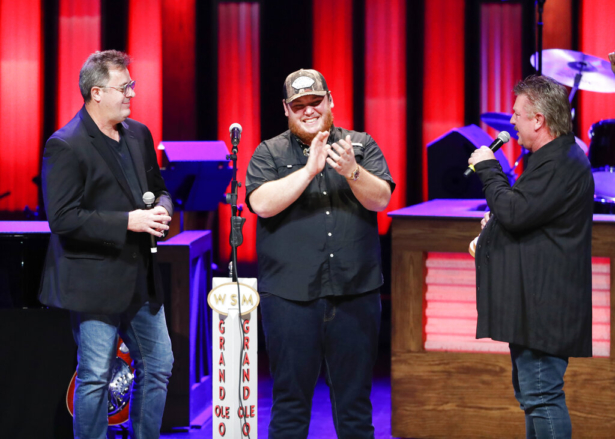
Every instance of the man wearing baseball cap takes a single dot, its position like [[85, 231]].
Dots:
[[316, 189]]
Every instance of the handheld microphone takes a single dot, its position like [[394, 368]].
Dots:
[[502, 138], [235, 131], [149, 199]]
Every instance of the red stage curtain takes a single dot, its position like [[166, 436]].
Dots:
[[79, 36], [145, 48], [596, 38], [332, 54], [443, 71], [385, 91], [239, 101], [20, 101], [500, 64]]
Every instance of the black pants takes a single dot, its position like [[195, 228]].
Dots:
[[342, 332]]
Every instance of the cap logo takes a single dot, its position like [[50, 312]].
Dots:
[[302, 82]]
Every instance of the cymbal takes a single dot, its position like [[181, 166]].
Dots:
[[563, 65], [500, 122]]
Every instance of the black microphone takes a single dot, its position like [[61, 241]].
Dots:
[[149, 199], [235, 131], [502, 138]]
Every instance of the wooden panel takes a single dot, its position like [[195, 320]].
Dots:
[[455, 395], [451, 395]]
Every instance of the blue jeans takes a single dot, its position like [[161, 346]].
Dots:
[[538, 380], [342, 332], [145, 333]]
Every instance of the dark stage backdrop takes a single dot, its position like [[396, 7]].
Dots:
[[407, 72]]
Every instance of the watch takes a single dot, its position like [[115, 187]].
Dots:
[[355, 174]]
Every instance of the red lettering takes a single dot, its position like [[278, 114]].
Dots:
[[221, 362], [217, 411], [246, 328], [246, 343], [246, 360], [246, 392], [222, 393], [221, 343], [245, 429], [248, 413], [246, 375], [252, 415], [221, 376], [221, 326], [222, 429], [227, 413]]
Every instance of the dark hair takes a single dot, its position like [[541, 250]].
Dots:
[[95, 70], [548, 98]]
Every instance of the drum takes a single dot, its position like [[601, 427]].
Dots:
[[602, 144]]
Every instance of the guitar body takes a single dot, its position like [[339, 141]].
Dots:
[[119, 389]]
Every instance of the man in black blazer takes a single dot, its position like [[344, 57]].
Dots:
[[99, 264], [533, 257]]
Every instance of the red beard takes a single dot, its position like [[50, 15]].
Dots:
[[305, 137]]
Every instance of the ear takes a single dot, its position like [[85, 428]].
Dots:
[[285, 108], [331, 100], [539, 121], [96, 93]]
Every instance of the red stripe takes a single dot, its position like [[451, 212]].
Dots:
[[145, 48], [20, 96], [79, 36], [239, 101], [385, 90], [332, 54]]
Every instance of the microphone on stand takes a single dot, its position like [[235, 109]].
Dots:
[[149, 199], [235, 132], [502, 138]]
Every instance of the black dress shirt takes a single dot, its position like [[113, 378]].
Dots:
[[533, 258], [144, 290], [325, 243]]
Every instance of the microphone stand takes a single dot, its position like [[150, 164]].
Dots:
[[235, 240], [541, 5]]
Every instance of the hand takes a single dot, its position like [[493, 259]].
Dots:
[[481, 154], [318, 154], [612, 59], [341, 157], [483, 222], [152, 221]]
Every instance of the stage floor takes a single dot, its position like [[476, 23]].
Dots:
[[321, 426]]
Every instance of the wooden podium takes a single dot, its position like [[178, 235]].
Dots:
[[439, 394]]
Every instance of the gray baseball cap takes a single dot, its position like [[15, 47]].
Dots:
[[304, 82]]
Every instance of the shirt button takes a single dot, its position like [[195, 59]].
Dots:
[[324, 193], [134, 256], [329, 233], [331, 255], [327, 212]]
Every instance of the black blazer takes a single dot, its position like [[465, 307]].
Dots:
[[533, 259], [92, 259]]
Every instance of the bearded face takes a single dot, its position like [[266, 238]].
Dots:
[[309, 115]]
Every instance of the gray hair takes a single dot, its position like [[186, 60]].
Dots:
[[95, 70], [548, 98]]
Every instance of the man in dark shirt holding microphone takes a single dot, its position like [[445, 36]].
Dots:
[[98, 172], [533, 257]]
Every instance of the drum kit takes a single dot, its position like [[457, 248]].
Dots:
[[580, 72]]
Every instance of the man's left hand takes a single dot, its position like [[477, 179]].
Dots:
[[481, 154], [341, 157], [612, 59]]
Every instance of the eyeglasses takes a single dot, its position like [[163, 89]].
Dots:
[[123, 89]]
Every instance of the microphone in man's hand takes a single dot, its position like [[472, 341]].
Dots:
[[502, 138], [149, 199], [235, 132]]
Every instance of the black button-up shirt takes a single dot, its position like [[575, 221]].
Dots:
[[325, 243]]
